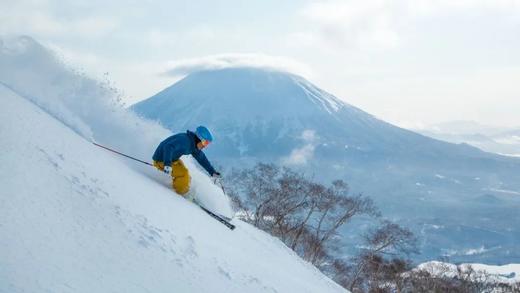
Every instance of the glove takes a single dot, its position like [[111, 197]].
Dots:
[[216, 175], [167, 170]]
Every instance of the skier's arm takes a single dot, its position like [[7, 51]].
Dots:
[[203, 161]]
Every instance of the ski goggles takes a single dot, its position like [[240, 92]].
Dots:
[[204, 142]]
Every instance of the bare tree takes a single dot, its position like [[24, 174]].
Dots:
[[389, 239], [334, 210], [305, 215]]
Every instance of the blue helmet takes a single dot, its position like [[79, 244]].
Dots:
[[203, 133]]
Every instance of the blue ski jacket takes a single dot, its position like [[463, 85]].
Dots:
[[172, 148]]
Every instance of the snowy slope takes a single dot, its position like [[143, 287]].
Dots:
[[79, 220], [509, 273], [75, 218]]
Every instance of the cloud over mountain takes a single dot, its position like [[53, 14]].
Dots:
[[236, 60]]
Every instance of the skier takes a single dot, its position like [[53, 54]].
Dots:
[[167, 156]]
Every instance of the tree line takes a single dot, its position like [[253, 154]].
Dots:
[[307, 216]]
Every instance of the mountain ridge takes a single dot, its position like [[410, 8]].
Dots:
[[194, 96]]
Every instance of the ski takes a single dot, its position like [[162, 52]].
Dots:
[[218, 218]]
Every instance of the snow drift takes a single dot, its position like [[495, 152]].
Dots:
[[75, 218]]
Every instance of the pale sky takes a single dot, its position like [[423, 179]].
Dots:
[[409, 62]]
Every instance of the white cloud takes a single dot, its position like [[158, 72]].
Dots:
[[428, 7], [186, 66], [354, 23], [42, 18], [379, 23], [309, 136], [31, 17], [93, 26], [300, 156]]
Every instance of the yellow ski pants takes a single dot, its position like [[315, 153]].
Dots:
[[180, 176]]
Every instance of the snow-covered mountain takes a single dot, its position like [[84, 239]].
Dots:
[[76, 218], [500, 140], [456, 197], [248, 107]]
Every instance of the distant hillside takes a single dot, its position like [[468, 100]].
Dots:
[[500, 140]]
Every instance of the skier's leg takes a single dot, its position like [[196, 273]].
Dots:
[[180, 177]]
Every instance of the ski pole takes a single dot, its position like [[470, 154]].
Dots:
[[114, 151], [218, 182]]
